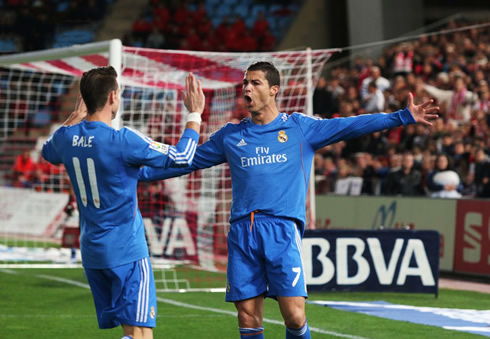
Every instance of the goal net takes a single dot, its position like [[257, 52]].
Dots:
[[186, 218]]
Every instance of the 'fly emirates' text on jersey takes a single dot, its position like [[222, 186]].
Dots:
[[270, 164], [103, 166]]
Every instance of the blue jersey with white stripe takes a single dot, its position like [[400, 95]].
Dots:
[[103, 165], [270, 164]]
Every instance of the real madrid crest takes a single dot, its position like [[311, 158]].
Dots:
[[282, 136], [152, 312]]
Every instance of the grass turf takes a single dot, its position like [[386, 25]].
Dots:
[[32, 305]]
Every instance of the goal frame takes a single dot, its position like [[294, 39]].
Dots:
[[115, 50]]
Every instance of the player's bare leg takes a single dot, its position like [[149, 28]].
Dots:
[[250, 315], [138, 332], [293, 313]]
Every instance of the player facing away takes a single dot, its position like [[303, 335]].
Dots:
[[270, 156], [103, 165]]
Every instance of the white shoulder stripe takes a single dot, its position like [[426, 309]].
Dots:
[[141, 135]]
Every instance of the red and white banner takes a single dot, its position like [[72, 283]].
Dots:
[[472, 244]]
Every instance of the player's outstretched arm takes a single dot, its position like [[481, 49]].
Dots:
[[422, 113], [78, 114], [194, 101]]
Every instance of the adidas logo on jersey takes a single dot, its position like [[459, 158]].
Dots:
[[242, 143]]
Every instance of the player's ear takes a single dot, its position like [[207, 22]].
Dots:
[[112, 96], [274, 90]]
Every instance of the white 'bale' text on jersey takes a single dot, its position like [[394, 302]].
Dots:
[[103, 165]]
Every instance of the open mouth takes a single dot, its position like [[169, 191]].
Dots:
[[248, 99]]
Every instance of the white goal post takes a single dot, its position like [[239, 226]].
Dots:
[[186, 218]]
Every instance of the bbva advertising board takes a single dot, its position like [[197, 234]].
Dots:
[[358, 260]]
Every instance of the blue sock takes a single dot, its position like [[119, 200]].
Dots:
[[251, 333], [295, 333], [127, 337]]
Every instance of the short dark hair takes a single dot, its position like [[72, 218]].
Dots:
[[96, 85], [270, 71]]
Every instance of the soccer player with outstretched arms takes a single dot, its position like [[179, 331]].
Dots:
[[103, 165], [270, 156]]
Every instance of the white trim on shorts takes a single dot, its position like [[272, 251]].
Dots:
[[299, 244], [143, 293]]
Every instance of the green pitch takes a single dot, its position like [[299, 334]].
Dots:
[[57, 303]]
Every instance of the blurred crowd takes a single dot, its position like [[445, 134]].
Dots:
[[32, 24], [200, 26], [448, 159], [40, 174]]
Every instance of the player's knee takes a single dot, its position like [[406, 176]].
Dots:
[[247, 319], [295, 320]]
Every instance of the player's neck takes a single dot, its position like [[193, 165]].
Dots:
[[265, 115], [103, 115]]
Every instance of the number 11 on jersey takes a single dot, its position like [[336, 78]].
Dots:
[[92, 176]]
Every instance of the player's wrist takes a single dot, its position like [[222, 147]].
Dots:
[[194, 117]]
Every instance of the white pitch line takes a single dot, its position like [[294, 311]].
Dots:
[[202, 308]]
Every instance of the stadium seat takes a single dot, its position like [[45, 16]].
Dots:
[[229, 2], [274, 8], [8, 46], [62, 6], [242, 10], [250, 21], [223, 10], [254, 12], [73, 37]]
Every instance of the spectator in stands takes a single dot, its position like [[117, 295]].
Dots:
[[261, 25], [460, 158], [155, 39], [329, 175], [483, 103], [248, 42], [141, 28], [23, 170], [374, 100], [377, 144], [161, 15], [322, 99], [403, 63], [364, 169], [406, 181], [443, 182], [182, 13], [268, 42], [192, 40], [457, 102], [481, 172], [381, 83], [46, 176], [337, 91]]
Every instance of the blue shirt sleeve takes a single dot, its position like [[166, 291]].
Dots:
[[139, 149], [322, 132], [209, 154], [50, 151]]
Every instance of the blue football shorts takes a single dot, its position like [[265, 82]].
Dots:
[[124, 294], [264, 256]]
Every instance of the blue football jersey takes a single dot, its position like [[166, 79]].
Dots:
[[270, 164], [103, 165]]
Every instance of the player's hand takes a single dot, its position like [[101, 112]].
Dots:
[[78, 114], [193, 95], [422, 113]]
